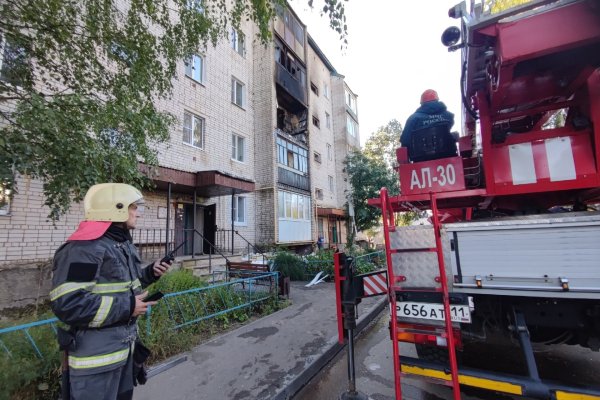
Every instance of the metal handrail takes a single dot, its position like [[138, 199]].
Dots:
[[212, 246], [265, 258]]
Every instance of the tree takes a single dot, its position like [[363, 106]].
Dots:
[[383, 143], [80, 79], [367, 176]]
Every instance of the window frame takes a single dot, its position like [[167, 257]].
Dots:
[[192, 67], [6, 195], [317, 157], [234, 91], [316, 121], [331, 183], [7, 45], [235, 149], [299, 156], [351, 122], [194, 118], [326, 93], [236, 208], [329, 152], [238, 38], [314, 88], [327, 120]]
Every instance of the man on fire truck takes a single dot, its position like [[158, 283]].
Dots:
[[427, 134]]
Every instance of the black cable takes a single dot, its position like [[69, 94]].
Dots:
[[467, 107]]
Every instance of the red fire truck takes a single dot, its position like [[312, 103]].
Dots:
[[513, 248]]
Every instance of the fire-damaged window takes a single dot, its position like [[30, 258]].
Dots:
[[290, 122], [285, 57], [291, 155]]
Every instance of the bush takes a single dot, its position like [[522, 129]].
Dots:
[[321, 261], [289, 265], [24, 376]]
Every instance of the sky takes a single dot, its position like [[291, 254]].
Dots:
[[394, 53]]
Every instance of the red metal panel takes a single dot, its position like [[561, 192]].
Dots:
[[443, 175], [585, 167], [564, 27], [338, 297]]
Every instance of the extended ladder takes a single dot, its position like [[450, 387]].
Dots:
[[395, 289]]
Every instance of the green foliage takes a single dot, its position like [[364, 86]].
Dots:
[[322, 260], [23, 374], [24, 371], [367, 177], [78, 101], [289, 265], [371, 170], [382, 144]]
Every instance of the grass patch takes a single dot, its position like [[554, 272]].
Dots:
[[25, 376]]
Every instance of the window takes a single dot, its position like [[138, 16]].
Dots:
[[318, 157], [293, 206], [195, 5], [330, 178], [5, 198], [316, 122], [14, 63], [329, 152], [238, 148], [238, 42], [194, 68], [193, 130], [351, 126], [319, 194], [314, 88], [287, 60], [351, 101], [239, 210], [327, 120], [238, 92], [325, 90], [291, 155]]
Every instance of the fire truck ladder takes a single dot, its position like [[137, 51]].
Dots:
[[395, 288]]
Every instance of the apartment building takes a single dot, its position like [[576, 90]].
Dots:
[[236, 169]]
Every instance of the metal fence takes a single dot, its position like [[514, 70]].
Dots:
[[37, 339]]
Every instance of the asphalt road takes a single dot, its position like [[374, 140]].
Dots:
[[374, 369]]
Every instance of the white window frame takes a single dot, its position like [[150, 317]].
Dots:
[[238, 42], [351, 126], [236, 207], [331, 183], [238, 154], [191, 68], [325, 90], [327, 120], [234, 92], [329, 152], [293, 206], [195, 119], [6, 195]]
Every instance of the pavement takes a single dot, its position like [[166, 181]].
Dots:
[[270, 358]]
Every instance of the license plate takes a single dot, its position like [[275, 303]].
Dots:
[[458, 313]]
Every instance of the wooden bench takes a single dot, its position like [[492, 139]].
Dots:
[[248, 270]]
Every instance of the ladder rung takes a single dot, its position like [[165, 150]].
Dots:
[[415, 250], [395, 288]]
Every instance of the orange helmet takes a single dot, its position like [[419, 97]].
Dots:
[[429, 95]]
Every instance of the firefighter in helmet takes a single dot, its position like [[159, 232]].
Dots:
[[426, 133], [97, 289]]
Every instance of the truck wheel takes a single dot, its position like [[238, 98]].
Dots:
[[435, 354]]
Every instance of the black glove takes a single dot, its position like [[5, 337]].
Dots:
[[140, 355]]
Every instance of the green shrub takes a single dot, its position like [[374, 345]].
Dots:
[[289, 265], [25, 376]]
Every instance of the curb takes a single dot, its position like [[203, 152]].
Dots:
[[321, 361]]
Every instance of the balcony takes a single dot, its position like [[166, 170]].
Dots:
[[293, 86], [293, 179]]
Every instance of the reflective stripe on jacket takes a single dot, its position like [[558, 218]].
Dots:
[[94, 284]]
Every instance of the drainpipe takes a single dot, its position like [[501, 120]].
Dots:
[[168, 218], [232, 219], [194, 226]]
